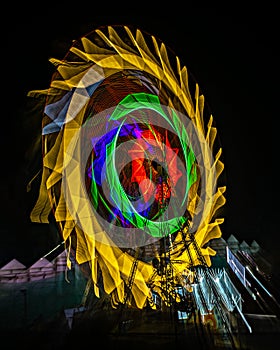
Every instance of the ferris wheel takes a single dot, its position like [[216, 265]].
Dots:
[[129, 170]]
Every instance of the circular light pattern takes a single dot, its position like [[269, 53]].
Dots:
[[127, 159]]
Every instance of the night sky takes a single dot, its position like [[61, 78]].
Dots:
[[232, 55]]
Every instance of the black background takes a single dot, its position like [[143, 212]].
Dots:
[[232, 54]]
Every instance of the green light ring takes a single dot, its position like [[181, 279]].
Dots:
[[129, 104]]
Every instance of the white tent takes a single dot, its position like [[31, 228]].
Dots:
[[13, 272], [41, 269]]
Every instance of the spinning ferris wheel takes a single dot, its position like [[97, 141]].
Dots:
[[129, 172]]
